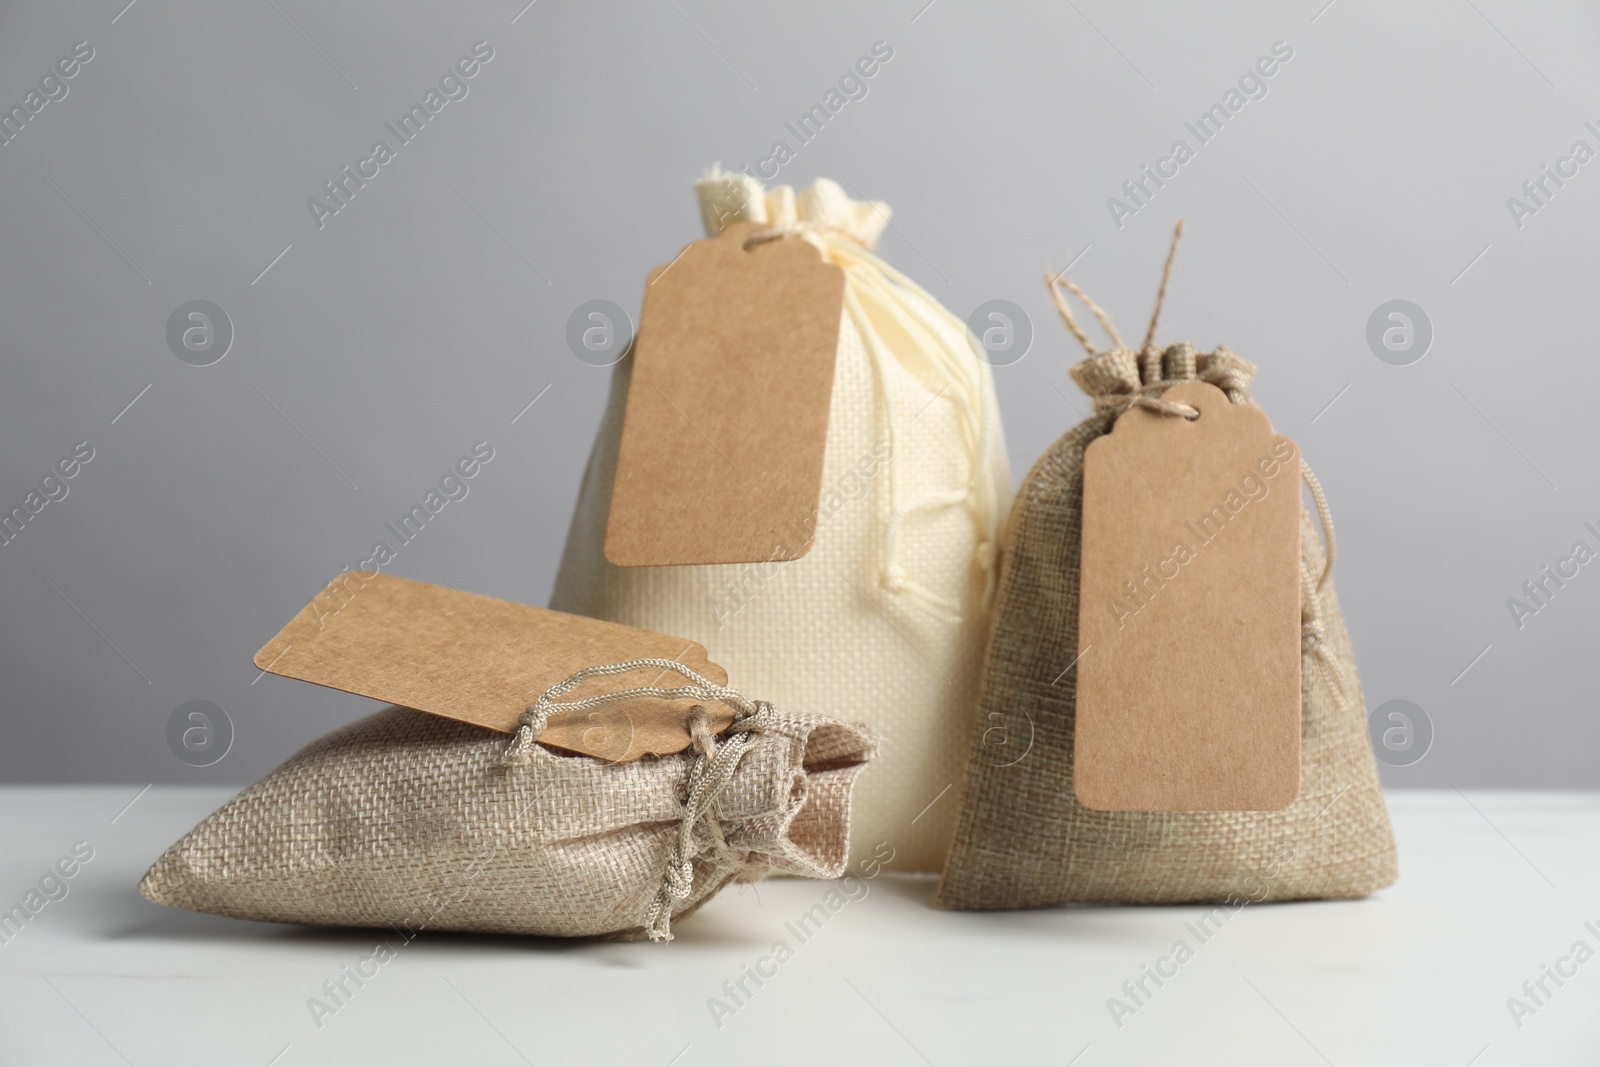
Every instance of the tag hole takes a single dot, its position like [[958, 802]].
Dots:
[[1195, 417]]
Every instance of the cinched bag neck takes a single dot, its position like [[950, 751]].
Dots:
[[1117, 373], [1119, 377], [713, 767], [726, 197]]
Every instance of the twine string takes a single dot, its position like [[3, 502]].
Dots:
[[1235, 383], [712, 770], [801, 228], [1161, 293], [874, 289], [1057, 281]]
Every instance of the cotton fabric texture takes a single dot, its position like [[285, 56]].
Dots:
[[408, 820], [1024, 841], [883, 620]]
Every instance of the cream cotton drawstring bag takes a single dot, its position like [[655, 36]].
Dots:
[[884, 620]]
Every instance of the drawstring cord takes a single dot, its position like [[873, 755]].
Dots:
[[1146, 396], [932, 327], [1313, 633], [1229, 378], [873, 286], [712, 770], [1161, 293]]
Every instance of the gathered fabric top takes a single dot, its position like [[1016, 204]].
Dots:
[[823, 206]]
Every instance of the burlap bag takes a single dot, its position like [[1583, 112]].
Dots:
[[1023, 840], [412, 821], [883, 620]]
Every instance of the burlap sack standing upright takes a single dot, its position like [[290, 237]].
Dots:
[[882, 622], [1023, 840]]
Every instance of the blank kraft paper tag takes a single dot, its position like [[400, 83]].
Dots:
[[480, 660], [1188, 682], [727, 417]]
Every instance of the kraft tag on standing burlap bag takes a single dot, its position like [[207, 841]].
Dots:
[[1188, 655], [1025, 837], [433, 819]]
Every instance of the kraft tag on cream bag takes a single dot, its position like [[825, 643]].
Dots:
[[757, 374], [883, 618]]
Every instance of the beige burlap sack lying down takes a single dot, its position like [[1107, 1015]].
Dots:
[[1023, 840], [415, 821]]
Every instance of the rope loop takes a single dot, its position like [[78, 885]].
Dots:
[[712, 770], [1113, 378]]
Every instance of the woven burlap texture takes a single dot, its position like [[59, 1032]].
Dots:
[[1023, 840], [408, 820], [845, 631]]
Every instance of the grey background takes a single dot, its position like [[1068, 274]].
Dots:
[[429, 312]]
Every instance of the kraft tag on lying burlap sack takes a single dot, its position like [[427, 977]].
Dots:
[[480, 660], [1023, 837], [433, 821]]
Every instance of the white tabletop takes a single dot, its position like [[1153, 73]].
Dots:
[[1494, 888]]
